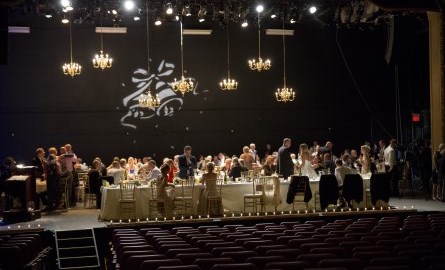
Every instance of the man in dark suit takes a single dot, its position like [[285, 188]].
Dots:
[[39, 162], [285, 164], [186, 163]]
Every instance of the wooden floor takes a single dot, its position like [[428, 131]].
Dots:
[[80, 218]]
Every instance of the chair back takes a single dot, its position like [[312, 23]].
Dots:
[[127, 191], [380, 184], [187, 186], [353, 188], [271, 191], [328, 188]]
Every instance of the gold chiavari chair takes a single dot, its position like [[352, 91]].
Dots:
[[127, 202]]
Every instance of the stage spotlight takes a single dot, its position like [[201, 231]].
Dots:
[[169, 9], [312, 9], [245, 24], [65, 3], [158, 21], [136, 18], [259, 8], [129, 5]]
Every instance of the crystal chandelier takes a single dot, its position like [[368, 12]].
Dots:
[[185, 84], [228, 84], [284, 94], [102, 60], [148, 101], [71, 68], [259, 64]]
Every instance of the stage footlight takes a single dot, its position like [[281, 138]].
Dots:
[[312, 9]]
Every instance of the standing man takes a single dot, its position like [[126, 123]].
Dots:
[[253, 152], [285, 164], [390, 165], [187, 163], [40, 162]]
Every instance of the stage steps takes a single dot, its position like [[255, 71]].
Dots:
[[77, 250]]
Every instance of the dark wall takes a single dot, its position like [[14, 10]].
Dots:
[[40, 106]]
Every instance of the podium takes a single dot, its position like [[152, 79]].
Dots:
[[20, 196]]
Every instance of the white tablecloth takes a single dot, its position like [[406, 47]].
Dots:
[[232, 197]]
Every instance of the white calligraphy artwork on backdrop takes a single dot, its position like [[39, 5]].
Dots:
[[159, 83]]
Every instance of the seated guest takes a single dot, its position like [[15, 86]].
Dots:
[[95, 181], [236, 169], [123, 163], [328, 164], [131, 168], [341, 171], [346, 159], [209, 180], [165, 202], [153, 170], [117, 172], [269, 167], [111, 165], [316, 164], [365, 159], [227, 165]]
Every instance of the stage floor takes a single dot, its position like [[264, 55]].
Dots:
[[80, 218]]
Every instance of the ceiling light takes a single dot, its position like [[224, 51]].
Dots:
[[158, 21], [292, 20], [136, 18], [259, 8], [65, 3], [244, 24], [114, 12], [49, 16], [65, 20], [177, 17], [186, 11], [201, 20], [69, 8], [169, 10], [312, 9], [129, 5], [273, 16]]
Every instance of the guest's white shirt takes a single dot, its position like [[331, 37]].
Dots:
[[155, 173], [118, 174], [340, 173], [390, 157]]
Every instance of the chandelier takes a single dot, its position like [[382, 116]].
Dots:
[[284, 94], [259, 64], [71, 68], [228, 84], [102, 60], [148, 101], [185, 84]]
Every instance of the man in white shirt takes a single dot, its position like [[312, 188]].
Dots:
[[341, 171], [117, 172], [252, 151], [390, 164], [153, 171]]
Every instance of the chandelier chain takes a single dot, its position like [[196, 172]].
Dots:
[[148, 38], [71, 43], [259, 37], [284, 58], [182, 52], [228, 52], [101, 34]]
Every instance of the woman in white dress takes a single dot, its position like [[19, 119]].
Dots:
[[306, 162]]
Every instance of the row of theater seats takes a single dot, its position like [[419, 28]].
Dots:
[[23, 251], [416, 242]]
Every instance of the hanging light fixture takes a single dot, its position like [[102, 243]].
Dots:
[[258, 64], [148, 101], [228, 84], [102, 60], [71, 68], [284, 94], [184, 85]]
